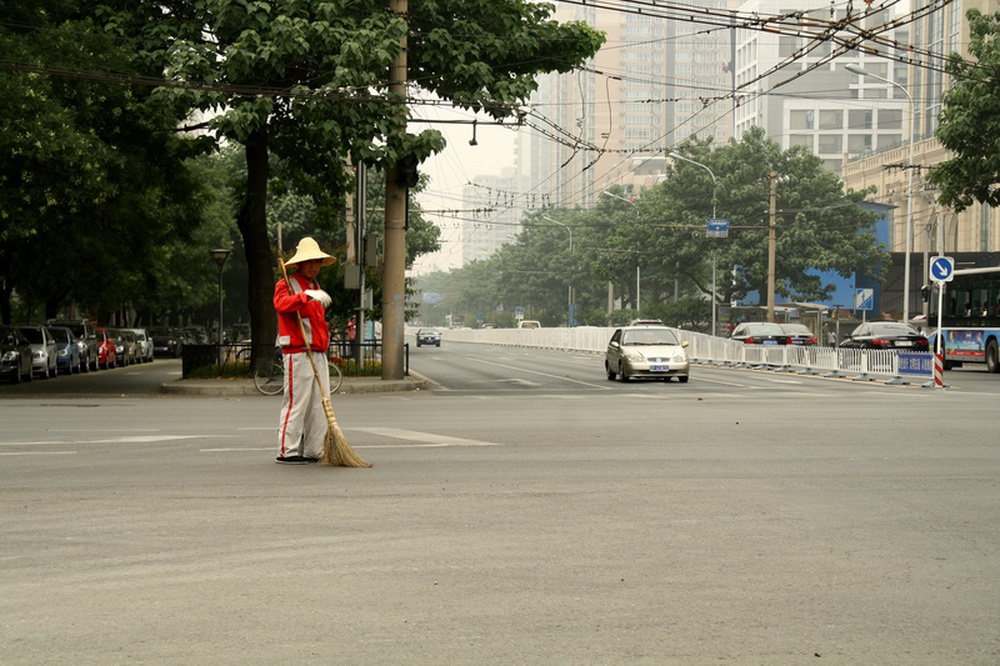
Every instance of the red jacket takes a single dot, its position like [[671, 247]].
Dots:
[[313, 317]]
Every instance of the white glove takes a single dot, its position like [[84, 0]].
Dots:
[[319, 295]]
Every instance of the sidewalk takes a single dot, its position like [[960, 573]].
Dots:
[[245, 387]]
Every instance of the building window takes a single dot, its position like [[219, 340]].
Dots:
[[859, 119], [877, 68], [887, 141], [801, 120], [890, 119], [805, 140], [830, 143], [831, 119], [787, 45], [859, 143]]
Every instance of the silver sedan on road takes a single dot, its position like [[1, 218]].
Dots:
[[652, 352]]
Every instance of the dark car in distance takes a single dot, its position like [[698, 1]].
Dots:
[[760, 333], [800, 335], [167, 341], [886, 335], [428, 336]]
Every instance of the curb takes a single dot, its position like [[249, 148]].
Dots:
[[245, 387]]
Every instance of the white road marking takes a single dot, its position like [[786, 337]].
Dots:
[[432, 439], [519, 382], [37, 453], [429, 440], [268, 448], [541, 374], [141, 439]]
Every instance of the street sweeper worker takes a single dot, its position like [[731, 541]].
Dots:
[[303, 424]]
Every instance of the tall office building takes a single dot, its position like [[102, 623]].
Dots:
[[788, 84], [653, 84], [490, 220]]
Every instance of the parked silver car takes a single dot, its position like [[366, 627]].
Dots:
[[15, 355], [43, 350], [652, 352]]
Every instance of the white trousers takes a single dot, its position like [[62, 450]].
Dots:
[[303, 424]]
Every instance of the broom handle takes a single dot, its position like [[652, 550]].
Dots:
[[302, 328]]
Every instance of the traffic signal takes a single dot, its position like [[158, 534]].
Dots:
[[406, 172], [925, 292]]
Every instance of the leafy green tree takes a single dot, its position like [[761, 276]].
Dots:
[[662, 232], [90, 171], [818, 226], [306, 81], [969, 123]]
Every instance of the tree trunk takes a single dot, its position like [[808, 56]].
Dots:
[[261, 264]]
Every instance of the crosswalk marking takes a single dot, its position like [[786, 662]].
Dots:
[[429, 439]]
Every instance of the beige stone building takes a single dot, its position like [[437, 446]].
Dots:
[[935, 228]]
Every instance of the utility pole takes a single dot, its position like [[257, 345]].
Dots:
[[771, 243], [394, 268]]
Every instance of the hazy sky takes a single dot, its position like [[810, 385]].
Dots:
[[452, 169]]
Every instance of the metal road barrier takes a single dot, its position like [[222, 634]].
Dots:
[[889, 366], [365, 356]]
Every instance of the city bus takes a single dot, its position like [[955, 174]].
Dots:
[[971, 318]]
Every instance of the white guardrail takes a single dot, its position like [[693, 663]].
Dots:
[[858, 364]]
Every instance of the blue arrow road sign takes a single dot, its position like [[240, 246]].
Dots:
[[942, 269]]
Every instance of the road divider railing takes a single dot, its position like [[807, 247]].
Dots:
[[862, 365]]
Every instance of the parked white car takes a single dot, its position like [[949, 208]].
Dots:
[[145, 344]]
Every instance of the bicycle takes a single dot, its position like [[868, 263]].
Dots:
[[271, 382]]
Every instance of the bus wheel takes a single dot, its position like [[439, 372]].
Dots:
[[992, 361]]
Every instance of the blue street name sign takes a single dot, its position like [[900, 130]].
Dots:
[[916, 363], [717, 227]]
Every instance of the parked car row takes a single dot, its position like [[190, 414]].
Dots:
[[868, 335], [45, 351]]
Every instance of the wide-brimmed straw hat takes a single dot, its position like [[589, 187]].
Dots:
[[309, 249]]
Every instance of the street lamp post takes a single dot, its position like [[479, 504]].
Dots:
[[854, 69], [569, 294], [678, 156], [638, 272], [771, 242], [220, 256]]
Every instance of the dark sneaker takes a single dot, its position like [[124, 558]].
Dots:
[[311, 460], [291, 460]]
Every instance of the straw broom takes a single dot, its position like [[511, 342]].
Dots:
[[337, 450]]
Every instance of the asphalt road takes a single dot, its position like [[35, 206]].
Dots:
[[527, 512]]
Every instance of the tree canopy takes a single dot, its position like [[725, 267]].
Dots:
[[969, 123], [653, 249], [93, 95], [308, 82], [88, 173]]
